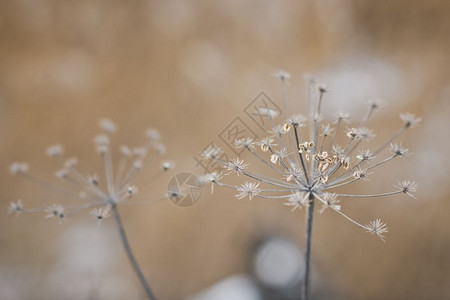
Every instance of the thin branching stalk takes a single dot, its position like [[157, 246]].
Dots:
[[130, 255], [309, 224]]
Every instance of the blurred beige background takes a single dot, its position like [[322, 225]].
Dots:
[[189, 68]]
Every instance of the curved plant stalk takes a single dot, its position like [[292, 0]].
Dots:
[[129, 252]]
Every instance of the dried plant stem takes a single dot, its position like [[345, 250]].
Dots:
[[309, 223], [130, 254]]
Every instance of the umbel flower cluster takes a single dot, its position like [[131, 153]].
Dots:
[[304, 162], [94, 193]]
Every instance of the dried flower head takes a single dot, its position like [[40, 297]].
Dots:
[[95, 194], [107, 125], [248, 189], [15, 207], [55, 150], [297, 200], [282, 75], [398, 150], [410, 119], [100, 213], [407, 187], [307, 159], [18, 168], [378, 228], [210, 178], [245, 143], [266, 144], [331, 201], [235, 165]]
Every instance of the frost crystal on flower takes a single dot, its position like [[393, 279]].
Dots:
[[297, 200], [361, 174], [365, 155], [244, 143], [15, 207], [407, 187], [18, 168], [96, 193], [375, 103], [167, 165], [326, 130], [398, 150], [211, 153], [237, 165], [266, 143], [378, 228], [100, 213], [410, 119], [278, 155], [297, 120], [308, 158], [282, 75], [55, 211], [342, 116], [107, 125], [153, 135], [248, 189], [330, 201], [210, 178], [270, 113], [55, 150]]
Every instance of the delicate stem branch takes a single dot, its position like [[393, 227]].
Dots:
[[370, 196], [300, 154], [390, 140], [130, 254], [309, 223]]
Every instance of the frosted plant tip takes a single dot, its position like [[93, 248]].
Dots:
[[378, 228]]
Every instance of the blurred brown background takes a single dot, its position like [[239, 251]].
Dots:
[[188, 68]]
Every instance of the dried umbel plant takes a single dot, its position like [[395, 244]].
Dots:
[[305, 165], [97, 197]]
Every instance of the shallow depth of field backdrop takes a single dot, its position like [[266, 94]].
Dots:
[[189, 68]]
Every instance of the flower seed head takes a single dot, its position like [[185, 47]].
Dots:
[[407, 187], [153, 135], [398, 150], [54, 150], [322, 88], [70, 163], [297, 200], [211, 153], [270, 113], [410, 119], [168, 165], [15, 207], [18, 168], [248, 189], [282, 75], [297, 120], [342, 116], [331, 201], [244, 143], [378, 228], [266, 144], [107, 125], [365, 155], [55, 211], [235, 165], [125, 150], [375, 103], [327, 130], [361, 174]]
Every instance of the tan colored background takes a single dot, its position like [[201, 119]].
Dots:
[[188, 68]]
